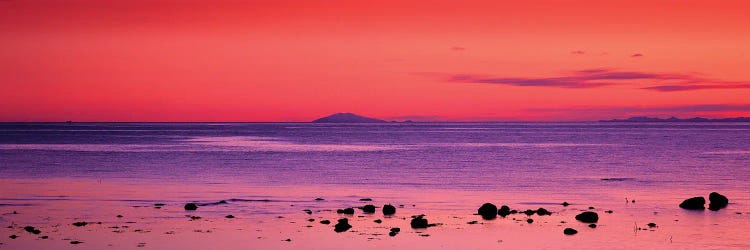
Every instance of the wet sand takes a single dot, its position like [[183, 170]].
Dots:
[[277, 218]]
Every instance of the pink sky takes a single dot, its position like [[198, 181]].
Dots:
[[437, 60]]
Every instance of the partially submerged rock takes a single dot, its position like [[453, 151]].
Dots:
[[504, 211], [342, 225], [80, 223], [419, 222], [488, 211], [529, 212], [588, 217], [32, 230], [570, 231], [541, 211], [345, 211], [695, 203], [592, 225], [368, 209], [718, 201], [389, 209], [325, 222], [229, 216], [191, 206]]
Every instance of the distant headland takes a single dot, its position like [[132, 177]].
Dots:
[[347, 118], [675, 119]]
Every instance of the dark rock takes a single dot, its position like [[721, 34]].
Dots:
[[80, 223], [695, 203], [592, 225], [504, 211], [44, 237], [632, 201], [419, 222], [609, 211], [345, 211], [29, 229], [529, 221], [119, 216], [472, 222], [488, 211], [378, 221], [651, 224], [570, 231], [319, 199], [565, 204], [591, 207], [13, 236], [307, 211], [529, 212], [391, 233], [365, 199], [195, 217], [513, 211], [325, 222], [542, 211], [588, 217], [396, 229], [368, 209], [75, 242], [311, 220], [191, 206], [389, 209], [342, 225], [288, 240], [159, 205], [718, 201]]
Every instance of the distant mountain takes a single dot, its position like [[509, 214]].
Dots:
[[347, 118], [674, 119]]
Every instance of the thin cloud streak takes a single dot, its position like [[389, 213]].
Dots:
[[595, 78]]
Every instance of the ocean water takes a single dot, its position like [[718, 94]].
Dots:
[[442, 169]]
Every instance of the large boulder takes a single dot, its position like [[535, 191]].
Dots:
[[588, 217], [695, 203], [389, 209], [718, 201], [342, 225], [541, 211], [488, 211]]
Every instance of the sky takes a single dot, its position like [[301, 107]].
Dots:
[[277, 60]]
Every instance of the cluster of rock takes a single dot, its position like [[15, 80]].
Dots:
[[489, 211], [717, 200]]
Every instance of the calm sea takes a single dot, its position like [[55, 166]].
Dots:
[[463, 156]]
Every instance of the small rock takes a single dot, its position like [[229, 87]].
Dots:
[[718, 201], [325, 222], [695, 203], [609, 211], [570, 231], [365, 199], [368, 209], [288, 240], [529, 221], [472, 222], [311, 220], [488, 211], [191, 206], [396, 229], [44, 237], [419, 222], [319, 199], [342, 225], [588, 217], [529, 212], [542, 211], [13, 236], [119, 216], [378, 221], [651, 225], [565, 204], [80, 223], [592, 225], [307, 211], [389, 209], [392, 233], [75, 242], [591, 208], [345, 211], [229, 216]]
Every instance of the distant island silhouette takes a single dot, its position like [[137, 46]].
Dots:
[[675, 119], [347, 118]]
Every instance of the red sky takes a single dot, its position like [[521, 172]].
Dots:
[[156, 60]]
